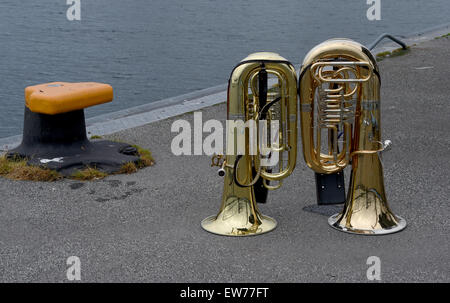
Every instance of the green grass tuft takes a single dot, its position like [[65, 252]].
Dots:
[[18, 169], [395, 53], [89, 173], [146, 158], [443, 36], [128, 168]]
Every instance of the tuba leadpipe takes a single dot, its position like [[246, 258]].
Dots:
[[262, 87], [339, 87]]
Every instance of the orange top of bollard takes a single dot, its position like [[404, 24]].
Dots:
[[62, 97]]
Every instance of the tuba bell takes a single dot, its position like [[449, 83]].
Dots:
[[339, 88], [262, 92]]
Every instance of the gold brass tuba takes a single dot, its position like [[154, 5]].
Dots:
[[262, 87], [339, 87]]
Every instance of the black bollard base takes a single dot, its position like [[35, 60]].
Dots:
[[59, 142]]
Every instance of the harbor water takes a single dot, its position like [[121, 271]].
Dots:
[[151, 50]]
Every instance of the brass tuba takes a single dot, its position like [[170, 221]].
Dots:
[[261, 88], [339, 87]]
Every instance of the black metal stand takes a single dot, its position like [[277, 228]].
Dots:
[[261, 192], [330, 188], [59, 142]]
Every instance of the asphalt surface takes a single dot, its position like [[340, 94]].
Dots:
[[145, 227]]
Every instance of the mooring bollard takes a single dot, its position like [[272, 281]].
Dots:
[[54, 133]]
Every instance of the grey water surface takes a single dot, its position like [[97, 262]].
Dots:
[[154, 49]]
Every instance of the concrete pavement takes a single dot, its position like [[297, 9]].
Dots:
[[145, 227]]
